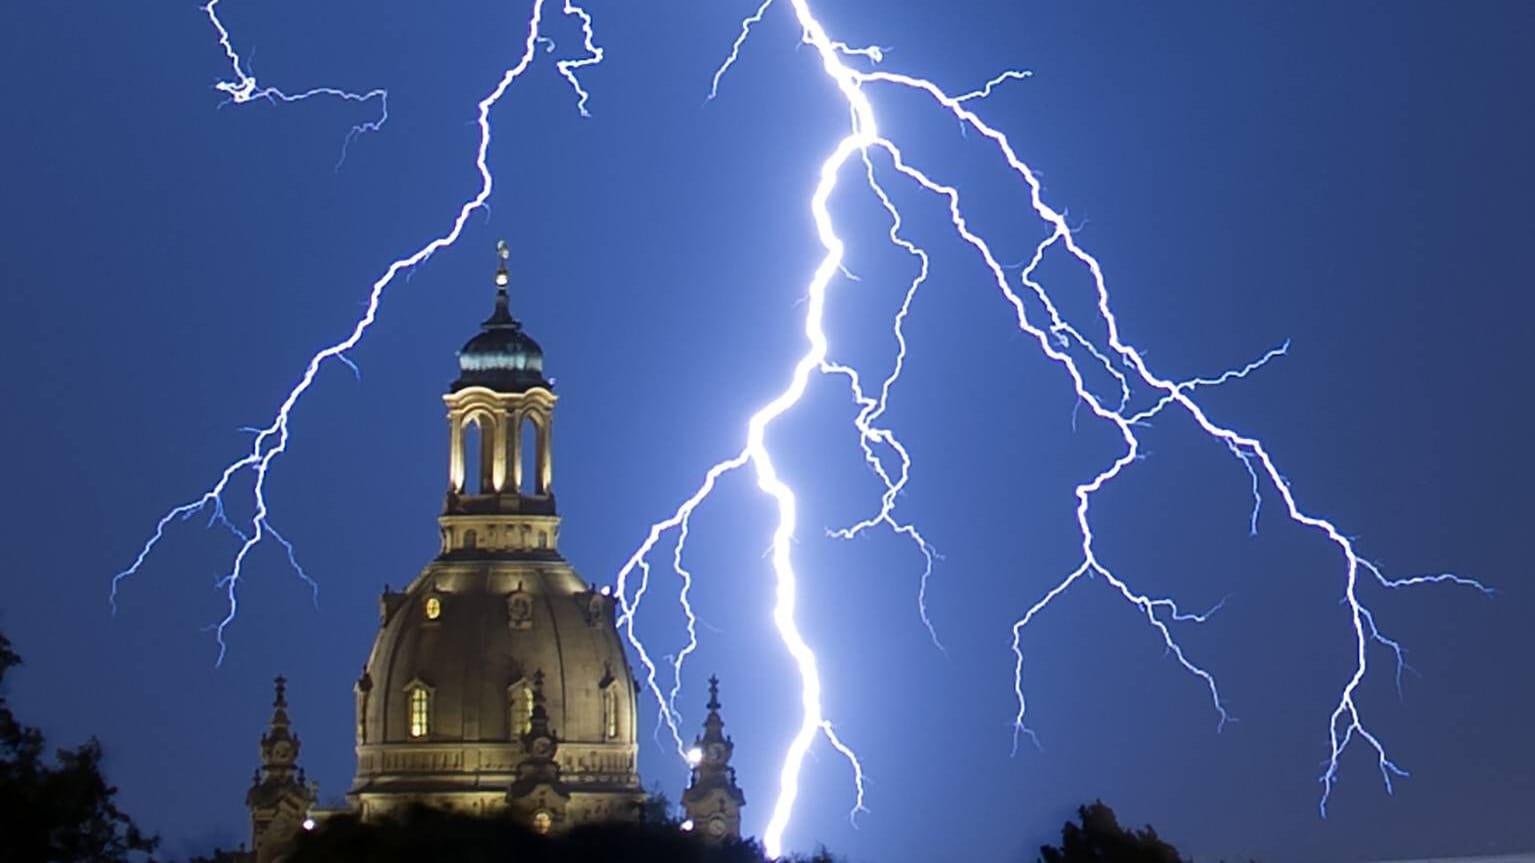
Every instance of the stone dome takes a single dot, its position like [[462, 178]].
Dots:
[[475, 637]]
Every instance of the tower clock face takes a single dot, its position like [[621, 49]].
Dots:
[[282, 750], [716, 752], [716, 827], [541, 747]]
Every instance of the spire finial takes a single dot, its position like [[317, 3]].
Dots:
[[502, 316], [280, 684], [714, 692]]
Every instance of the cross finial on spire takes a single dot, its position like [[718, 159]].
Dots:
[[714, 692], [280, 684]]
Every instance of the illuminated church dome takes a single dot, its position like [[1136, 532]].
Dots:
[[497, 679], [501, 357]]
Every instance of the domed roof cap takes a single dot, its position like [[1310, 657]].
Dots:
[[502, 356]]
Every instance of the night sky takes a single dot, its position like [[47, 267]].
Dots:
[[1353, 177]]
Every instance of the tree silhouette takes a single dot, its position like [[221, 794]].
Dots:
[[1100, 839], [57, 812]]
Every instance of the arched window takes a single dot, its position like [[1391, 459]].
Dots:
[[522, 709], [420, 711], [532, 458], [433, 609], [471, 539], [473, 438], [609, 713]]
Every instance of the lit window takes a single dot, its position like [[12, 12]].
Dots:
[[433, 608], [541, 821], [522, 710], [609, 714], [420, 712]]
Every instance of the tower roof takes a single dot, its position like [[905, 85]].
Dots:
[[279, 730], [501, 356]]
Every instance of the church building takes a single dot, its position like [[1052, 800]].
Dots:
[[497, 683]]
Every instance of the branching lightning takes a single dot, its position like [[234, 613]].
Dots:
[[272, 440], [1059, 341], [244, 88], [855, 73], [871, 409]]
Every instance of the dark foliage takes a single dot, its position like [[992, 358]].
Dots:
[[1100, 839], [658, 808], [60, 811], [424, 835]]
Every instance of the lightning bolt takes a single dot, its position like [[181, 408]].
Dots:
[[1059, 341], [271, 441]]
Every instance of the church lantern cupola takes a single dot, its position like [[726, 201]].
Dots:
[[500, 424]]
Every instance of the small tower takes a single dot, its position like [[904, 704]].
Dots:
[[713, 801], [279, 798], [538, 794]]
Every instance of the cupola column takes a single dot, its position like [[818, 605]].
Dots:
[[545, 458], [517, 477]]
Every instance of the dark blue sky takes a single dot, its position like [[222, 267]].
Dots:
[[1353, 177]]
